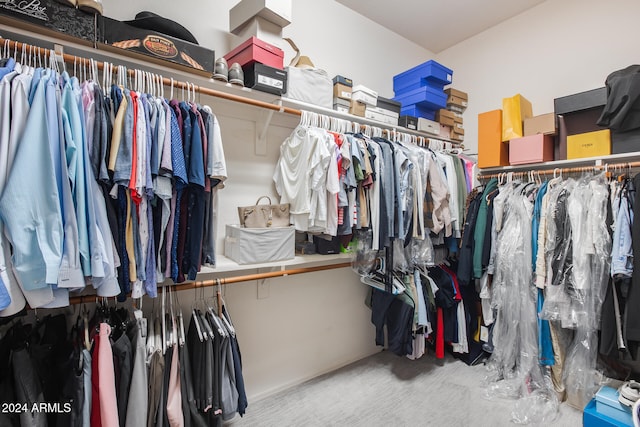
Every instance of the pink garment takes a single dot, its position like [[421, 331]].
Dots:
[[107, 380], [174, 395]]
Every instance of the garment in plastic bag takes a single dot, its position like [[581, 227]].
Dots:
[[420, 252], [513, 370]]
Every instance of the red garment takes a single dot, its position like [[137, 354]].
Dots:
[[134, 161], [440, 335]]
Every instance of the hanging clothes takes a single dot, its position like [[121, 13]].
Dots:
[[120, 173]]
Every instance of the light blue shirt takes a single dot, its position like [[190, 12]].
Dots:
[[622, 248], [73, 132], [30, 206]]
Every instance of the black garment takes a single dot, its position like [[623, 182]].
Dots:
[[48, 348], [7, 393], [194, 231], [27, 387], [632, 316], [189, 409], [608, 336], [486, 247], [387, 309], [562, 260], [465, 256], [72, 390], [215, 415], [622, 111], [237, 363], [123, 366], [123, 271]]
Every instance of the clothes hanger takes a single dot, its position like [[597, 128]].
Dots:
[[195, 317], [180, 319], [206, 326], [151, 333], [163, 320]]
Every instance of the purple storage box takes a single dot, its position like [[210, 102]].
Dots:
[[425, 97], [417, 111], [429, 73]]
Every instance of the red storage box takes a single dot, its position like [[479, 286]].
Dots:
[[256, 50], [531, 149]]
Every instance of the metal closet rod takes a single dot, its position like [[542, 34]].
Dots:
[[610, 167], [228, 280]]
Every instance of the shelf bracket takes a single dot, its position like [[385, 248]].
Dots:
[[261, 131]]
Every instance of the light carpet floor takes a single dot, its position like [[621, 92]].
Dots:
[[387, 390]]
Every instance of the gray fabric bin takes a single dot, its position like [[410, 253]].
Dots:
[[257, 245]]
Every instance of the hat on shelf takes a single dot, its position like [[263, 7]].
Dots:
[[153, 22]]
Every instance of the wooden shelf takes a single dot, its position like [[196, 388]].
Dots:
[[584, 162], [226, 265]]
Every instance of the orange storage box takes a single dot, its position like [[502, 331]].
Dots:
[[531, 149], [492, 151]]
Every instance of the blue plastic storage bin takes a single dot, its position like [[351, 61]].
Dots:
[[592, 418], [429, 73], [425, 97], [417, 111]]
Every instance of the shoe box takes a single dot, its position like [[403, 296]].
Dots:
[[264, 78], [121, 37], [530, 149], [409, 122], [578, 113], [256, 50], [492, 151], [426, 97], [457, 100], [342, 88], [341, 105], [51, 18], [386, 111], [415, 110], [430, 73]]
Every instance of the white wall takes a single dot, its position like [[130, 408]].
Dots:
[[336, 39], [310, 323], [555, 49]]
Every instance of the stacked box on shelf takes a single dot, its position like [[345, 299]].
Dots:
[[386, 111], [457, 101], [342, 90], [420, 90]]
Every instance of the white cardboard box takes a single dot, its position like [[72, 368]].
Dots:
[[277, 12], [365, 95], [257, 245], [262, 29], [388, 119], [428, 126]]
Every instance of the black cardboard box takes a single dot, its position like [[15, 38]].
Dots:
[[343, 80], [625, 142], [327, 247], [408, 122], [264, 78], [54, 17], [389, 104], [578, 113], [580, 101], [163, 48]]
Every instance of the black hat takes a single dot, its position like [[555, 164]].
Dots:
[[151, 21]]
